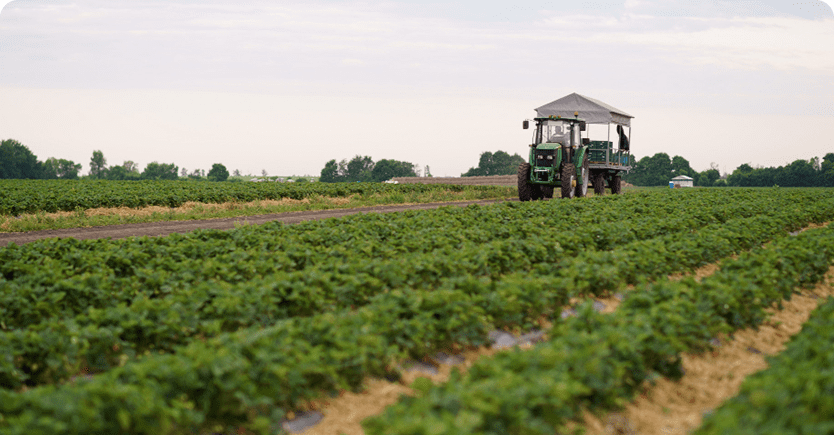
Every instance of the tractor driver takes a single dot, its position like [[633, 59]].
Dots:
[[557, 136]]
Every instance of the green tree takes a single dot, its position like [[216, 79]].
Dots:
[[827, 170], [707, 178], [218, 172], [330, 173], [651, 171], [117, 173], [680, 166], [98, 165], [60, 168], [386, 169], [800, 173], [17, 161], [131, 167], [499, 163], [127, 171], [359, 168], [160, 171]]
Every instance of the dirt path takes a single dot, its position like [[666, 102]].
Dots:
[[170, 227]]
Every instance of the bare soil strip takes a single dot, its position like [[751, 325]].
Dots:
[[676, 408], [169, 227]]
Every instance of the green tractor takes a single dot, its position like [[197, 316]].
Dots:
[[561, 157]]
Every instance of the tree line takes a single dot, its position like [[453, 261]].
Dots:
[[659, 169], [363, 168], [18, 161]]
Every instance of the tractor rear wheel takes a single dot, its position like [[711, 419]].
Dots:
[[583, 178], [599, 183], [615, 184], [568, 175], [525, 188]]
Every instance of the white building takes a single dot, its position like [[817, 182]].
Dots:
[[681, 181]]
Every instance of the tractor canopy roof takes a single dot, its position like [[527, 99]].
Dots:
[[591, 110]]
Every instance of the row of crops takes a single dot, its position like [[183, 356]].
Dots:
[[172, 334], [30, 196]]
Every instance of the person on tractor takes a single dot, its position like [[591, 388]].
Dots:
[[623, 138], [558, 136]]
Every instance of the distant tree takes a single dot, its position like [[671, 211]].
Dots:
[[116, 173], [98, 165], [130, 166], [237, 173], [707, 178], [160, 171], [301, 180], [387, 169], [680, 166], [427, 172], [499, 163], [330, 173], [49, 168], [799, 173], [60, 168], [359, 168], [654, 171], [183, 172], [827, 170], [264, 173], [17, 161], [218, 172]]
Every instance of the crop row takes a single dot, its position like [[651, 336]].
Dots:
[[30, 196], [595, 361], [69, 306], [795, 394], [245, 375], [64, 277]]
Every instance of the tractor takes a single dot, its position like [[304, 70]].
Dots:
[[561, 157]]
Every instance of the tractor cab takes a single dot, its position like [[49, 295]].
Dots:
[[565, 132]]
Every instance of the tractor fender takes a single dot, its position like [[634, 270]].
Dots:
[[579, 155]]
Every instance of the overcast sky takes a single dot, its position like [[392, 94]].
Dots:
[[286, 86]]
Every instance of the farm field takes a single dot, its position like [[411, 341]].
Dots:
[[235, 331], [32, 205]]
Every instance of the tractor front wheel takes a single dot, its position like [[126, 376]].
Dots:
[[525, 187], [599, 183], [568, 175], [615, 184]]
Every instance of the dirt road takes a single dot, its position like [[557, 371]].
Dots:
[[170, 227]]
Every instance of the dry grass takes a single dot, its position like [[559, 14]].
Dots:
[[189, 210], [677, 407]]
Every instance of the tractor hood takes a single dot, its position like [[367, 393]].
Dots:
[[591, 110]]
